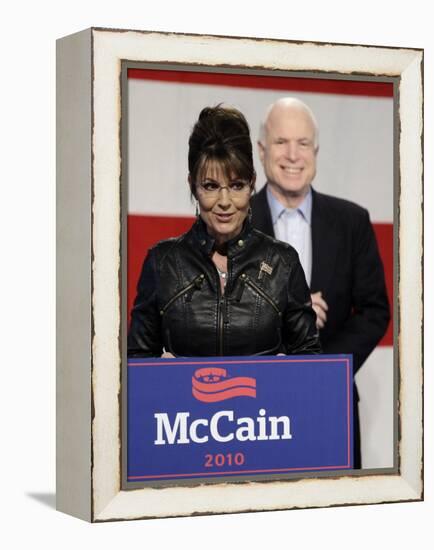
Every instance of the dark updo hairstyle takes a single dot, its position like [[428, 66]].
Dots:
[[221, 134]]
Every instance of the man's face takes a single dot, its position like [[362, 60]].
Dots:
[[288, 153]]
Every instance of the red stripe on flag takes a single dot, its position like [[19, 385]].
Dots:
[[284, 83], [223, 395], [145, 231], [212, 387], [384, 234]]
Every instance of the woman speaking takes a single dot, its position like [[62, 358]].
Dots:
[[222, 288]]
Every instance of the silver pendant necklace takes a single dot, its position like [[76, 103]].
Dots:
[[222, 274]]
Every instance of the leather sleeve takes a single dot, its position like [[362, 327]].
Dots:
[[144, 335], [300, 334]]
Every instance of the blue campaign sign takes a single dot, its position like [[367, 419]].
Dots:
[[238, 416]]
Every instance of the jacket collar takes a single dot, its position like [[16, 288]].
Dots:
[[326, 241], [234, 246]]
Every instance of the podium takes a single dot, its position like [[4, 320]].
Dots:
[[236, 418]]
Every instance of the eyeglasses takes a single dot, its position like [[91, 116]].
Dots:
[[238, 188]]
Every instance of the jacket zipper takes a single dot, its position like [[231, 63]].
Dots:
[[221, 314], [196, 283], [261, 293], [220, 325]]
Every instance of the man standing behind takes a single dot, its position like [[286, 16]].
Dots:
[[334, 237]]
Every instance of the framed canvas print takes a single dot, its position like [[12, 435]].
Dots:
[[193, 377]]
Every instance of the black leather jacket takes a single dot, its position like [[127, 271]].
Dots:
[[264, 310]]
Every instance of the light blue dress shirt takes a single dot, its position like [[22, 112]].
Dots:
[[293, 226]]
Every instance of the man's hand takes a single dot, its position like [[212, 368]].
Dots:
[[319, 305]]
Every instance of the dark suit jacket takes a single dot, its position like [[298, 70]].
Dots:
[[347, 268]]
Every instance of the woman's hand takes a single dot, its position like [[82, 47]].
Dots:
[[167, 355]]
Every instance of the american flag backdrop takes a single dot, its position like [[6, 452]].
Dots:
[[355, 162]]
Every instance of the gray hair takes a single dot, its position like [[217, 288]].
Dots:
[[288, 102]]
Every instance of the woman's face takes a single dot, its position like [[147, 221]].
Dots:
[[223, 203]]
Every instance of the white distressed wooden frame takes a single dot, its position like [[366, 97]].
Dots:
[[88, 265]]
